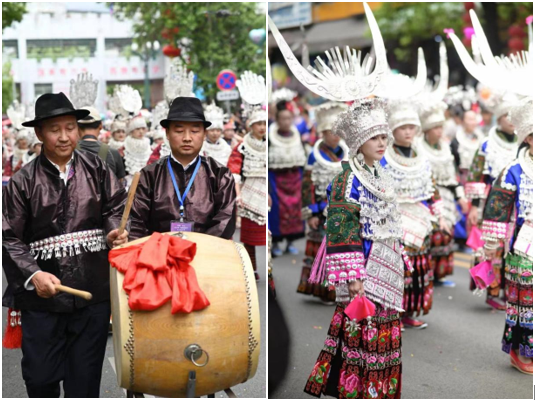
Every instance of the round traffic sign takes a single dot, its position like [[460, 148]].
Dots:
[[226, 80]]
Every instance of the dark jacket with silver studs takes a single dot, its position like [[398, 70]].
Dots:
[[36, 205]]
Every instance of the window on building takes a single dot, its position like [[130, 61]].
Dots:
[[10, 49], [56, 48], [41, 89], [118, 47]]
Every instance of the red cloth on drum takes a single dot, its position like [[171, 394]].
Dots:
[[159, 270], [252, 233]]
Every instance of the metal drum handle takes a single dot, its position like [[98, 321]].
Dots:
[[194, 352]]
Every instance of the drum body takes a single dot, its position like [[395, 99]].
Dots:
[[149, 346]]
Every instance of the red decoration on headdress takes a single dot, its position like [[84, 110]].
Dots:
[[158, 271]]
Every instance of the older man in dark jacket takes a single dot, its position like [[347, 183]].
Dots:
[[185, 191], [60, 215]]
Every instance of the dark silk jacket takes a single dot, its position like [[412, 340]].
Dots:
[[36, 204], [210, 203]]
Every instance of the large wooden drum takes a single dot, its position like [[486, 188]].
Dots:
[[150, 346]]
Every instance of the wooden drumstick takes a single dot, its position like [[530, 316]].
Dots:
[[129, 202], [82, 294]]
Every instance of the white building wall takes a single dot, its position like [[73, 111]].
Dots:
[[58, 21]]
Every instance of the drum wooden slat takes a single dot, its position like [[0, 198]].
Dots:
[[149, 346]]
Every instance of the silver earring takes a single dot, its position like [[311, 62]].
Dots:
[[360, 158]]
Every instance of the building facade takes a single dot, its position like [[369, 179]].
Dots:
[[56, 41]]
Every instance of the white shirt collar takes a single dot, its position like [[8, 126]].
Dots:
[[67, 166], [185, 167], [63, 175]]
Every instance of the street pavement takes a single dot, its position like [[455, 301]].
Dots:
[[458, 356], [13, 385]]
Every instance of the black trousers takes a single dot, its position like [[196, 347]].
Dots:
[[66, 347]]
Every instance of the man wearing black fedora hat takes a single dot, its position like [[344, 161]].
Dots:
[[60, 215], [185, 191]]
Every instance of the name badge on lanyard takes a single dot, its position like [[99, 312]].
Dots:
[[182, 225]]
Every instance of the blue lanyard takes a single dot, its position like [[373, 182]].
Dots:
[[181, 198]]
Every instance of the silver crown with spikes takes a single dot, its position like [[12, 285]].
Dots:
[[431, 112], [496, 101], [129, 99], [327, 113], [252, 88], [365, 119], [83, 90], [159, 113], [178, 82], [283, 94], [215, 115], [345, 78], [402, 112], [521, 116], [457, 96], [114, 105]]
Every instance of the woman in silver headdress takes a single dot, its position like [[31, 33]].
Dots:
[[324, 163], [420, 205], [362, 257], [494, 154], [437, 151], [509, 206]]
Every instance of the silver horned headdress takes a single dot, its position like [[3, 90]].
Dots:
[[496, 101], [513, 73], [283, 95], [436, 92], [159, 113], [178, 82], [457, 96], [521, 116], [17, 114], [431, 112], [401, 86], [327, 113], [83, 90], [365, 119], [129, 99], [402, 112], [252, 88], [345, 79], [215, 115]]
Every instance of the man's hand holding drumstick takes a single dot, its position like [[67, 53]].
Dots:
[[116, 239], [47, 285], [119, 236]]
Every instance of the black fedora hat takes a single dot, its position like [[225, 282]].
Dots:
[[52, 105], [185, 109]]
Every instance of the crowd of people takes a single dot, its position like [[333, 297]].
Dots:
[[387, 178], [67, 168]]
